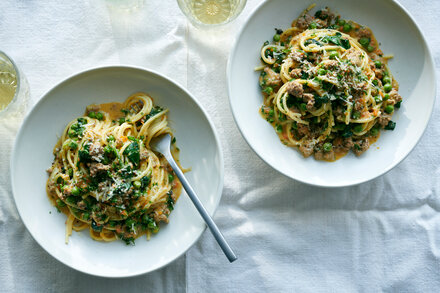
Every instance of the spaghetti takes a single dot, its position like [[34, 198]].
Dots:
[[326, 85], [106, 178]]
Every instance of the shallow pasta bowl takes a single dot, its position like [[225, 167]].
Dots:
[[196, 138], [412, 67]]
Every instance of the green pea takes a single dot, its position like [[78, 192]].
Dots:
[[92, 114], [386, 79], [333, 54], [378, 99], [72, 133], [389, 109], [378, 64], [170, 178], [73, 145], [374, 131], [327, 147], [137, 184], [364, 41], [276, 37], [358, 128], [99, 116], [322, 71], [387, 87], [347, 27], [370, 48], [75, 191], [60, 203], [313, 25], [386, 97]]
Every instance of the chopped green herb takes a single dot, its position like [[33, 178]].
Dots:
[[132, 152], [268, 90], [356, 115], [60, 203], [391, 125], [313, 25], [358, 128], [96, 227]]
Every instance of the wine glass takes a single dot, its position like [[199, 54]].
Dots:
[[211, 13]]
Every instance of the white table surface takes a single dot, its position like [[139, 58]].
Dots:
[[379, 236]]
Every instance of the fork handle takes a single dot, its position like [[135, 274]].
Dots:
[[199, 206]]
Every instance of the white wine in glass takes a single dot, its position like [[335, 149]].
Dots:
[[204, 13], [8, 83], [14, 89]]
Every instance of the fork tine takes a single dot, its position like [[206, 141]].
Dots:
[[135, 107]]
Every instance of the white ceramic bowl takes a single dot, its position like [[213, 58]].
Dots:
[[196, 138], [412, 66]]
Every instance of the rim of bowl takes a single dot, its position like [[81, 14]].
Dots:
[[149, 71], [386, 170]]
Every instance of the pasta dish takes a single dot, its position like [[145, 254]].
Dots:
[[106, 178], [326, 86]]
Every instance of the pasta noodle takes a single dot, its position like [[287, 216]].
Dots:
[[326, 85], [106, 178]]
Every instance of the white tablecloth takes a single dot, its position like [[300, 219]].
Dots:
[[379, 236]]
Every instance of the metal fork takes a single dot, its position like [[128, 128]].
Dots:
[[162, 145], [135, 108]]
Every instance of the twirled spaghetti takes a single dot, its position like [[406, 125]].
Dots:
[[106, 178], [326, 86]]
